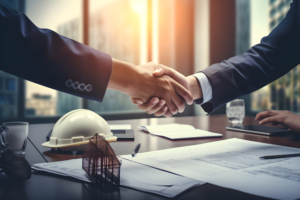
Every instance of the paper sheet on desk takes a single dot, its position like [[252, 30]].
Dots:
[[178, 131], [133, 175], [166, 128], [232, 163], [187, 134]]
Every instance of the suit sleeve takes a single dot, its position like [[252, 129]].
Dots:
[[276, 55], [47, 58]]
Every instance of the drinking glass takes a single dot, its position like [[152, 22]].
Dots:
[[235, 111], [16, 136]]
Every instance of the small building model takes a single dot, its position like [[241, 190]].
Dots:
[[101, 163]]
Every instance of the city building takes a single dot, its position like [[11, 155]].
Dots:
[[284, 91], [8, 95], [282, 94]]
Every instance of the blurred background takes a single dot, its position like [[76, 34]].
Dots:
[[187, 35]]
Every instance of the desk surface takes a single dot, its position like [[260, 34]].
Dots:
[[48, 186]]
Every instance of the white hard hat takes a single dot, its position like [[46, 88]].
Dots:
[[76, 128]]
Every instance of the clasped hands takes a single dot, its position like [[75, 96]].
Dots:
[[187, 92], [156, 89]]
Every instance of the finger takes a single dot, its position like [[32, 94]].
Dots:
[[265, 114], [161, 111], [172, 107], [149, 104], [270, 120], [184, 93], [136, 101], [157, 107], [178, 102], [178, 77], [168, 114]]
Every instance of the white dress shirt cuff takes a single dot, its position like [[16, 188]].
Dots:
[[205, 85]]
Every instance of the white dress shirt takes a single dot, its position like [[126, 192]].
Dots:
[[205, 86]]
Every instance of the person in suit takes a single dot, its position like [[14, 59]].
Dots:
[[47, 58], [277, 54]]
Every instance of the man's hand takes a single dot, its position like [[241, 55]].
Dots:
[[140, 83], [156, 107], [287, 118]]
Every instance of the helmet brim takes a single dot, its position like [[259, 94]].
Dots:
[[47, 144]]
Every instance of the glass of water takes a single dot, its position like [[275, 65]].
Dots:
[[16, 136], [235, 111]]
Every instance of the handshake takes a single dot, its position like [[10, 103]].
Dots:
[[156, 89]]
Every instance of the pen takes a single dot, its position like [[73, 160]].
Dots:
[[136, 149], [281, 156]]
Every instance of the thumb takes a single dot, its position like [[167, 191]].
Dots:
[[137, 101], [159, 71]]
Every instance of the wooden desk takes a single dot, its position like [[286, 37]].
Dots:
[[49, 186]]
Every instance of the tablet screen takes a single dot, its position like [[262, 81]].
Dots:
[[264, 130]]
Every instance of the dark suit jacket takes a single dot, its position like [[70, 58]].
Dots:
[[47, 58], [276, 55]]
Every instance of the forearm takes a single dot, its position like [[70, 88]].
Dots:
[[124, 76]]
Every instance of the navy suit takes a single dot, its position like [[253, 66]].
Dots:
[[276, 55], [47, 58]]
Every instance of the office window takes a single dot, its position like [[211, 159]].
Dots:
[[118, 27], [135, 31], [63, 17], [282, 94], [8, 95], [9, 91]]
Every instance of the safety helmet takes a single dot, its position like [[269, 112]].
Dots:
[[73, 130]]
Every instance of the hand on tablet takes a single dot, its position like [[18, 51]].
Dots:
[[284, 117]]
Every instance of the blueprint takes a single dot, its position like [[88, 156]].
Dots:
[[232, 163], [133, 175]]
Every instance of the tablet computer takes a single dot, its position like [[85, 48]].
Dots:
[[256, 129]]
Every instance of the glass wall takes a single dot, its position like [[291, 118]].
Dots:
[[118, 27], [9, 84], [8, 95], [135, 31], [174, 33], [282, 94], [63, 17]]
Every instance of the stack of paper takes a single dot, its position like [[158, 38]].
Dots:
[[178, 131], [133, 175], [234, 164]]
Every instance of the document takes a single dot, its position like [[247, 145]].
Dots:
[[133, 175], [166, 128], [279, 180], [187, 134], [178, 131], [232, 163]]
